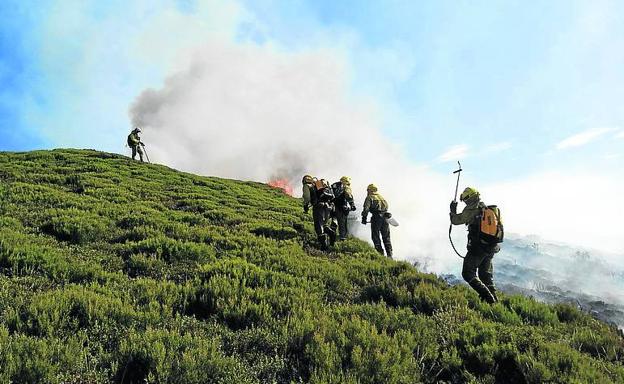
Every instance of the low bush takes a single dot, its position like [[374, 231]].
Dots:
[[116, 271]]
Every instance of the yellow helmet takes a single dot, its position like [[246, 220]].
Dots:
[[346, 180], [307, 179], [468, 194], [371, 188]]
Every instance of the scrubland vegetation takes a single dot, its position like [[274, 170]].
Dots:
[[113, 270]]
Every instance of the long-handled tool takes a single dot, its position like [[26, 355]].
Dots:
[[147, 156], [458, 171]]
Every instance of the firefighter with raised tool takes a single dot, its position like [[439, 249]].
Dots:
[[134, 142], [319, 194], [378, 207], [343, 204], [485, 232]]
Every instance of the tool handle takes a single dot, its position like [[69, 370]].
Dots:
[[457, 185]]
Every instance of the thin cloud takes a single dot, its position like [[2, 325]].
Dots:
[[456, 152], [620, 135], [498, 147], [612, 156], [583, 138]]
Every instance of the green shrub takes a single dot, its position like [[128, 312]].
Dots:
[[113, 270], [568, 314], [75, 226], [166, 357], [75, 184]]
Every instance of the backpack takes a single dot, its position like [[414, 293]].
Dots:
[[324, 192], [491, 229], [130, 140]]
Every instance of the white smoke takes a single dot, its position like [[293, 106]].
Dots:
[[574, 206], [253, 112]]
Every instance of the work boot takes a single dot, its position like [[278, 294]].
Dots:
[[492, 290], [482, 290], [388, 247], [380, 250], [323, 243], [487, 297], [331, 234]]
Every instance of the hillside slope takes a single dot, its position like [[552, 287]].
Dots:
[[115, 270]]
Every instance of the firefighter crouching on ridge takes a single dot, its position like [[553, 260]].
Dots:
[[134, 142], [378, 207], [319, 194], [343, 204], [478, 260]]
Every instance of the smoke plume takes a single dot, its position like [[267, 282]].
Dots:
[[254, 113]]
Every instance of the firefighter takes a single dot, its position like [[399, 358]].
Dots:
[[343, 202], [134, 142], [378, 207], [477, 269], [319, 195]]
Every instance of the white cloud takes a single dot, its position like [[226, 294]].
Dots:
[[456, 152], [583, 138], [619, 135], [498, 147]]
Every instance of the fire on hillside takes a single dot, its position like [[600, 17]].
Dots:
[[283, 184]]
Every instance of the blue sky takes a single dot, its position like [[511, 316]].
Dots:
[[528, 94], [514, 74], [504, 81], [18, 79]]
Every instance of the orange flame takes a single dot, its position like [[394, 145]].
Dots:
[[282, 184]]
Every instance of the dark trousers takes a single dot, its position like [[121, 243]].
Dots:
[[341, 218], [324, 225], [479, 272], [137, 149], [379, 226]]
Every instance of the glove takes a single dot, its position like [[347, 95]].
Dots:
[[306, 208], [453, 206], [353, 207], [364, 221]]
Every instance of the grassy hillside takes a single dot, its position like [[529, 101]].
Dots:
[[115, 270]]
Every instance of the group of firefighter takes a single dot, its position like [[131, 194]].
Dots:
[[332, 203]]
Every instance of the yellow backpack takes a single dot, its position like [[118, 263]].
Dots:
[[491, 229]]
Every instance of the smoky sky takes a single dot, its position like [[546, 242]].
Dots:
[[256, 113]]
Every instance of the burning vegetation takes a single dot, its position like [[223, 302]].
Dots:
[[283, 184]]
